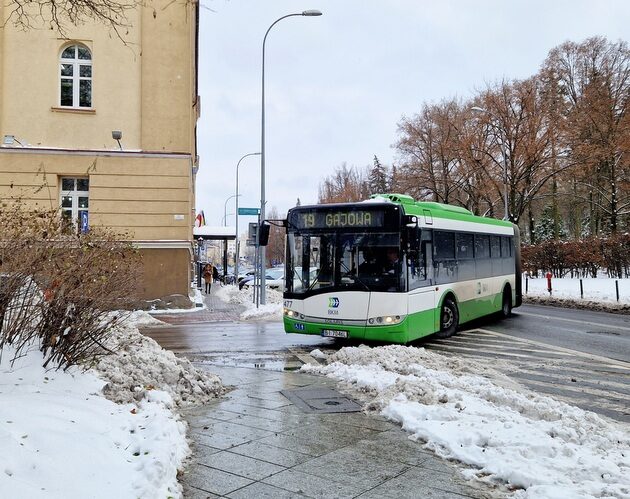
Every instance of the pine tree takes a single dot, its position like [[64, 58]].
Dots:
[[377, 178], [545, 229]]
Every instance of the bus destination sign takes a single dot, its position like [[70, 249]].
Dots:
[[337, 219]]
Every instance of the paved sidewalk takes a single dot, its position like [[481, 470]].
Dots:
[[216, 310], [255, 443]]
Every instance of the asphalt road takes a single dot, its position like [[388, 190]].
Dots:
[[597, 333], [578, 356]]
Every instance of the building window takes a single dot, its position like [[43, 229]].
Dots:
[[75, 202], [75, 73]]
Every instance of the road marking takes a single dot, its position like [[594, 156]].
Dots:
[[623, 328], [599, 358], [476, 350], [580, 377], [603, 400], [458, 343], [469, 338]]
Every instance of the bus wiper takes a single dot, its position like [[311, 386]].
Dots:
[[315, 281], [367, 288]]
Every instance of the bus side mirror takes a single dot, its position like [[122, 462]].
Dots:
[[263, 235], [410, 220]]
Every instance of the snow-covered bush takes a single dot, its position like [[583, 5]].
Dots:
[[58, 286]]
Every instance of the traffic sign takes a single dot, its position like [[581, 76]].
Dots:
[[248, 211]]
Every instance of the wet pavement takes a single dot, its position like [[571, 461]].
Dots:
[[254, 442]]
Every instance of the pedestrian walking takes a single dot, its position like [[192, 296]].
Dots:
[[208, 272]]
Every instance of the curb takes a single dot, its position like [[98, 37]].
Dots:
[[613, 308]]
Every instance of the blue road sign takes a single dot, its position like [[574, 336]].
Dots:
[[249, 211]]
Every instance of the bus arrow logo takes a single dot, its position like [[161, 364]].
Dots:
[[333, 302]]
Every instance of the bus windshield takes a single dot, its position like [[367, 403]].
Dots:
[[335, 260]]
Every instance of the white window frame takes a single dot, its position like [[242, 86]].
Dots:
[[76, 76], [74, 196]]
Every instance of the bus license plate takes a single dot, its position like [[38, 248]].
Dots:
[[333, 333]]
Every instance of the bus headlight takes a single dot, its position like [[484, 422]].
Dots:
[[385, 320], [290, 313]]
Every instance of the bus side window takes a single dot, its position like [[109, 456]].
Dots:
[[444, 263], [417, 265]]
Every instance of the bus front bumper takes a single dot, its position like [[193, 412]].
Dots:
[[392, 334]]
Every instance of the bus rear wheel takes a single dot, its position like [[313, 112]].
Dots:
[[449, 319], [506, 304]]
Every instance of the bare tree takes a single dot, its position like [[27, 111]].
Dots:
[[521, 149], [275, 247], [345, 185], [429, 161], [593, 80], [60, 15]]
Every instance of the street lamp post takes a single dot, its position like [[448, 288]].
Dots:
[[224, 219], [504, 153], [261, 249], [225, 209], [225, 244], [236, 261]]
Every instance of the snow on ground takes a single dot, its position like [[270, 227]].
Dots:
[[600, 289], [141, 366], [61, 438], [544, 447], [271, 310]]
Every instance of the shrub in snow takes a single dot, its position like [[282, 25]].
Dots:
[[579, 258], [57, 287]]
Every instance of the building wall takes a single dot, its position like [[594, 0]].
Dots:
[[162, 268], [144, 86], [143, 197], [30, 95]]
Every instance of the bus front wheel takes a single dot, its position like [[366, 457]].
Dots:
[[449, 319]]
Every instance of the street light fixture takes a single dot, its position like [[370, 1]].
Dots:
[[225, 208], [261, 249], [236, 261], [504, 153], [224, 219]]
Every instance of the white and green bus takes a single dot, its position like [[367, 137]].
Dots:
[[392, 269]]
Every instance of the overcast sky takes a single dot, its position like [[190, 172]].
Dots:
[[337, 85]]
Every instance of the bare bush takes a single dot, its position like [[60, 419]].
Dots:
[[59, 287], [579, 258]]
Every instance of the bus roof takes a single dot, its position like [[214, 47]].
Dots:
[[438, 210]]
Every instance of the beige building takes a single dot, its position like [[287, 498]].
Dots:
[[62, 102]]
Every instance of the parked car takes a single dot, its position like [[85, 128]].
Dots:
[[245, 273], [274, 279]]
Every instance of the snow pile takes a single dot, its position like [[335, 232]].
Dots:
[[267, 311], [531, 442], [141, 318], [318, 354], [140, 366], [61, 438], [271, 310]]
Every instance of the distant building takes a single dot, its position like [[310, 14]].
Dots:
[[63, 103]]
